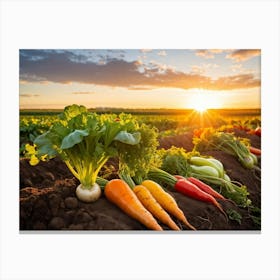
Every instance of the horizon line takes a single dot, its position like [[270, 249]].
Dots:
[[148, 108]]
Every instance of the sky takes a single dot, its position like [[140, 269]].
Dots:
[[140, 78]]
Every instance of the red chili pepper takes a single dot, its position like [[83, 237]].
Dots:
[[204, 187], [258, 131], [255, 151], [201, 185], [189, 189]]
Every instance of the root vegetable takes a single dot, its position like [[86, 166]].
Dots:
[[118, 192], [88, 194], [255, 151], [166, 201], [150, 203]]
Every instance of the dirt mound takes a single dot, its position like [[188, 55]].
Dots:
[[48, 200], [183, 140]]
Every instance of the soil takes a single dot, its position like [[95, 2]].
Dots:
[[48, 200]]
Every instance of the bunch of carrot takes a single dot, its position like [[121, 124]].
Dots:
[[146, 203], [191, 187]]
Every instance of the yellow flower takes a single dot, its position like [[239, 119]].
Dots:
[[33, 160]]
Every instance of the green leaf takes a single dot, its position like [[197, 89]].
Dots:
[[60, 131], [136, 160], [73, 138], [92, 123], [128, 138], [73, 110], [175, 161], [45, 145]]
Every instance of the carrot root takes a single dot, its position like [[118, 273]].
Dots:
[[118, 192], [218, 205], [151, 204], [166, 201]]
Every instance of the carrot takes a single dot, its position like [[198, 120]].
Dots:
[[150, 203], [255, 151], [166, 201], [188, 188], [118, 192], [204, 187]]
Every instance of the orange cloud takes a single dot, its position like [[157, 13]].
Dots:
[[216, 50], [204, 53], [141, 88], [83, 92], [201, 69], [29, 95], [242, 55], [235, 82]]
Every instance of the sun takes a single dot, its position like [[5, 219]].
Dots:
[[202, 101], [200, 106]]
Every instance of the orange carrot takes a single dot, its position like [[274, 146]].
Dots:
[[166, 201], [150, 203], [118, 192], [255, 151]]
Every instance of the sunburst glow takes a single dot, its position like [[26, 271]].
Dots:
[[201, 101]]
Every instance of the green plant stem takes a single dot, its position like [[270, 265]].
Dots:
[[72, 170]]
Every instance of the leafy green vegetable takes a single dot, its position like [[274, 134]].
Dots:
[[73, 138], [211, 139], [135, 161], [175, 161], [128, 138], [85, 141]]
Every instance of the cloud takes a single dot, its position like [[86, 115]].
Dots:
[[29, 95], [141, 88], [201, 69], [242, 55], [216, 51], [62, 68], [197, 69], [83, 92], [138, 62], [210, 53], [235, 82], [162, 53], [204, 53], [236, 67], [146, 50]]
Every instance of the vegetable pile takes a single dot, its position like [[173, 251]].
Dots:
[[209, 170], [85, 141], [211, 139]]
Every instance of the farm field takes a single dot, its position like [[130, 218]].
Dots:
[[140, 139], [48, 199]]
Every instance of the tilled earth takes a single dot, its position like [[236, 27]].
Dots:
[[48, 200]]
